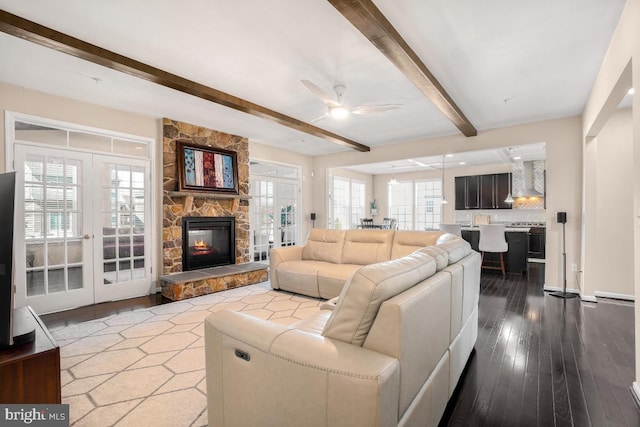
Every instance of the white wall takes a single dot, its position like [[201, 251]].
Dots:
[[564, 176], [264, 152], [619, 69], [613, 204]]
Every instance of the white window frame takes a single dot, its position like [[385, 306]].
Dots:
[[352, 212], [411, 216]]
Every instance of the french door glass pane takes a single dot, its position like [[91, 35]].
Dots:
[[35, 283], [123, 219], [53, 228]]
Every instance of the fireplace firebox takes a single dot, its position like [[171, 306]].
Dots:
[[208, 242]]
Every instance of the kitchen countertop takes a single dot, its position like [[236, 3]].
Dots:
[[507, 228]]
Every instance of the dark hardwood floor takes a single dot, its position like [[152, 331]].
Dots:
[[546, 361], [538, 361], [98, 311]]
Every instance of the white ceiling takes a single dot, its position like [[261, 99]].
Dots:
[[499, 156], [503, 62]]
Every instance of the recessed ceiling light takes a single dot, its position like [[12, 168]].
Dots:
[[631, 91], [449, 155], [517, 158], [417, 162], [462, 163]]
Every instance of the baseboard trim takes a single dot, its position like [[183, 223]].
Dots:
[[556, 288], [615, 296], [635, 392], [588, 298]]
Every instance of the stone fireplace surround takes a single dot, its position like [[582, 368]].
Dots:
[[176, 204]]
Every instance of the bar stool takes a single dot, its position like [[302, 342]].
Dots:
[[492, 239], [452, 228]]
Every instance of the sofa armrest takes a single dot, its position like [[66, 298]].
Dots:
[[279, 255], [263, 373]]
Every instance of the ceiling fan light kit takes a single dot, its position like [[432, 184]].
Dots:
[[339, 112]]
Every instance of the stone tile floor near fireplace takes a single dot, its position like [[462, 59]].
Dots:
[[147, 367]]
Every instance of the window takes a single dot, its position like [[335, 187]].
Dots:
[[401, 204], [348, 204], [417, 204], [428, 204]]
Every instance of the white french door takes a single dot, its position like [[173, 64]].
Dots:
[[274, 209], [84, 238], [121, 210]]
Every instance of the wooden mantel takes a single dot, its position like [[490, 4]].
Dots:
[[207, 195]]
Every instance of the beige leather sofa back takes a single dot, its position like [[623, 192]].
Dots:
[[324, 245], [365, 247], [406, 242]]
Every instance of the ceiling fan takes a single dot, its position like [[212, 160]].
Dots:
[[337, 110]]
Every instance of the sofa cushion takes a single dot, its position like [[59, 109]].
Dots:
[[456, 247], [368, 288], [324, 245], [332, 277], [406, 242], [365, 247]]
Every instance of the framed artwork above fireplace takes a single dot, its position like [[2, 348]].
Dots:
[[207, 169]]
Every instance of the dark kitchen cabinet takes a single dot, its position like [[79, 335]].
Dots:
[[473, 237], [467, 192], [482, 191], [517, 255]]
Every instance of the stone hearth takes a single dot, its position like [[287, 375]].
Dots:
[[179, 286]]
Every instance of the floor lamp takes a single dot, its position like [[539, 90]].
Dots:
[[562, 219]]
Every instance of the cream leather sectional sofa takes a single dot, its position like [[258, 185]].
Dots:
[[321, 267], [390, 352]]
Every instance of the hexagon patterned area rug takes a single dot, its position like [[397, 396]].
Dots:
[[146, 367]]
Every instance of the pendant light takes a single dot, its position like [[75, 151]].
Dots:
[[509, 198], [393, 181], [444, 200]]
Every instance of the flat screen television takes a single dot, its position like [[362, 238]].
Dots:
[[16, 328]]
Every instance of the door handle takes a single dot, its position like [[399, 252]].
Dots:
[[86, 237]]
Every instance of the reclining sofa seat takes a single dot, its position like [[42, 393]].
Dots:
[[389, 353], [321, 267]]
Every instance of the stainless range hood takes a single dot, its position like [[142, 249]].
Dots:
[[524, 179]]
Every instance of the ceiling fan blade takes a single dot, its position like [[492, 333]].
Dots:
[[319, 93], [322, 117], [379, 108]]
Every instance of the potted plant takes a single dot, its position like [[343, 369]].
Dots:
[[374, 206]]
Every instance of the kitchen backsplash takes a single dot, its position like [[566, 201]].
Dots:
[[502, 215]]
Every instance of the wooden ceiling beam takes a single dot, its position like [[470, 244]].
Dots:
[[368, 19], [44, 36]]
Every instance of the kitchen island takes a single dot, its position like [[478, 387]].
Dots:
[[518, 241]]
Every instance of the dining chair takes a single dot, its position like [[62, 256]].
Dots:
[[366, 222], [389, 223]]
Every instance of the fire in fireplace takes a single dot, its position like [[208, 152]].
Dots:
[[207, 242]]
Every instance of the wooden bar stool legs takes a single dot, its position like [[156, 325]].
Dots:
[[494, 267]]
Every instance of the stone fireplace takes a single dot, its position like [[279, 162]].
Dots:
[[178, 205]]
